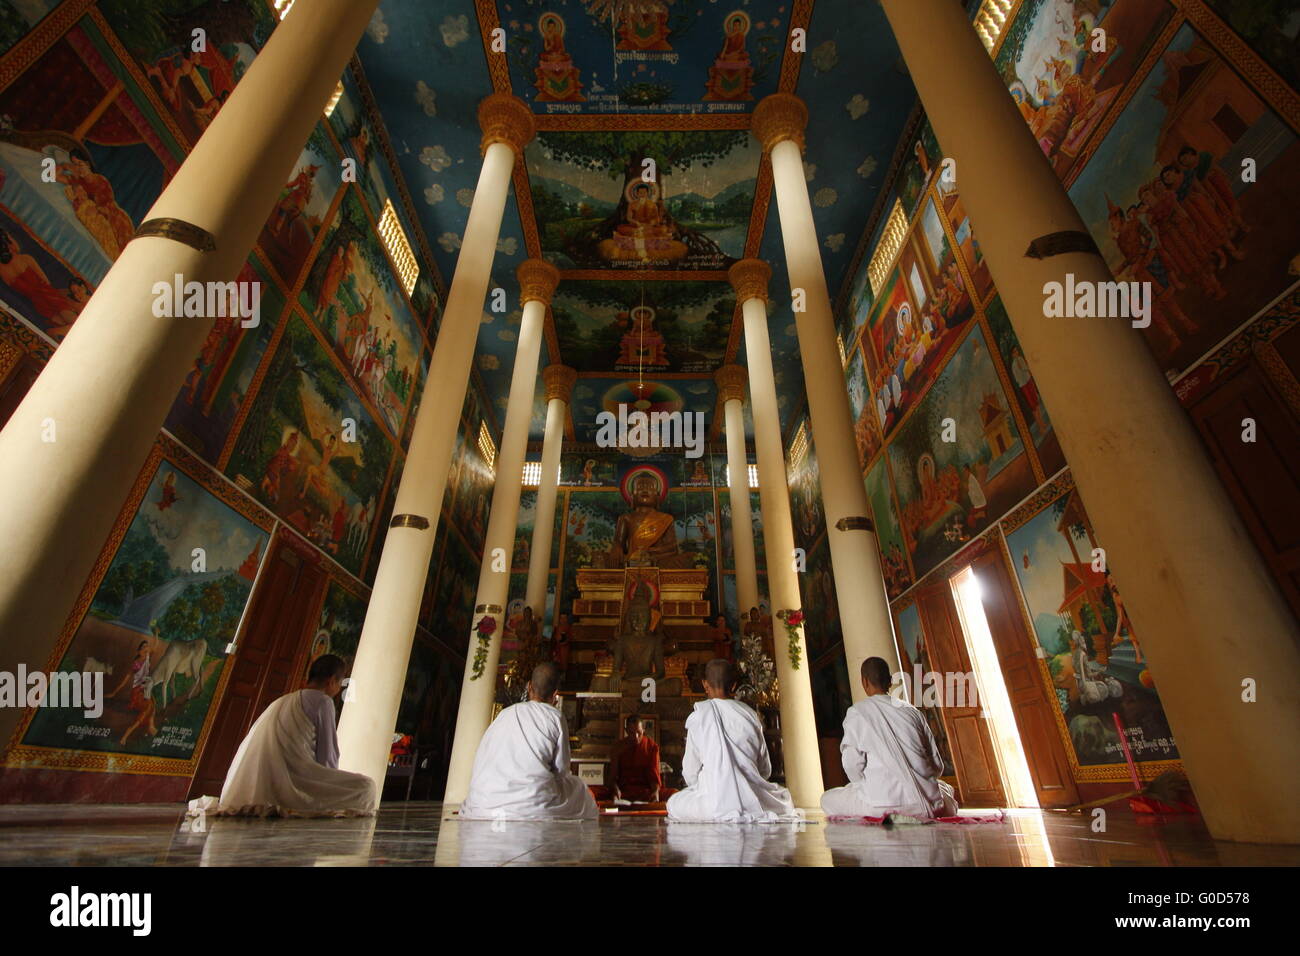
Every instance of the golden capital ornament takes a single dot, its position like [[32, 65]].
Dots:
[[749, 277], [537, 281], [779, 117], [731, 382], [559, 381], [505, 118]]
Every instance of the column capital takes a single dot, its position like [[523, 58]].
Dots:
[[731, 382], [537, 281], [559, 380], [749, 277], [505, 118], [779, 117]]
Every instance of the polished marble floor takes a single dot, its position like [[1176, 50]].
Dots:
[[415, 835]]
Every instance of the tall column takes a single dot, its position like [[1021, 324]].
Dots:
[[1194, 585], [803, 766], [379, 671], [109, 386], [731, 385], [559, 380], [537, 281], [779, 122]]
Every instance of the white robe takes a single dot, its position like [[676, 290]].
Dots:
[[276, 771], [726, 767], [521, 770], [892, 763]]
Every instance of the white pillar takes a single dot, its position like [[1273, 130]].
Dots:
[[537, 280], [803, 768], [779, 122], [731, 386], [379, 671], [1201, 599], [559, 380], [109, 386]]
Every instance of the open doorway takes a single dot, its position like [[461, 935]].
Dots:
[[993, 697]]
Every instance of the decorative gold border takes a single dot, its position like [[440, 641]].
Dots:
[[40, 38], [498, 67], [1239, 55], [30, 341], [132, 67], [622, 122], [1158, 47]]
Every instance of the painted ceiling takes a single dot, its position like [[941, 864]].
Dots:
[[638, 301]]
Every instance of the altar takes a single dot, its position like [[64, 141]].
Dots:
[[681, 594]]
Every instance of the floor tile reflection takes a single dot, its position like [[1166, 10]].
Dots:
[[415, 835]]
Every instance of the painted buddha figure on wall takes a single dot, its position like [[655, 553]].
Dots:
[[647, 231], [557, 79], [642, 345], [645, 536], [643, 27], [731, 77]]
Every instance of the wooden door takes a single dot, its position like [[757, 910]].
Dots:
[[280, 622], [978, 776], [1035, 711], [1262, 477]]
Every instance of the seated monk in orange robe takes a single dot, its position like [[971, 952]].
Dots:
[[634, 766]]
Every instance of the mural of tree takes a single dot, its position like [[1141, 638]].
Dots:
[[205, 609], [598, 348], [621, 154], [140, 565]]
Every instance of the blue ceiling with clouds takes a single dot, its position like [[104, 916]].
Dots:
[[687, 74]]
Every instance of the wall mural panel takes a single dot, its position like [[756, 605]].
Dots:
[[78, 106], [1058, 75], [295, 455], [951, 490], [193, 84], [894, 559], [1098, 674], [1167, 199], [354, 298], [222, 374], [158, 621]]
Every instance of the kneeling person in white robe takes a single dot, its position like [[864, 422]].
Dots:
[[890, 757], [288, 763], [726, 764], [521, 770]]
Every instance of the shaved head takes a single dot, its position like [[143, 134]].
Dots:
[[545, 680], [721, 674], [876, 673]]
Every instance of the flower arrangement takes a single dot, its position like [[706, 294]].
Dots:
[[485, 628], [792, 620]]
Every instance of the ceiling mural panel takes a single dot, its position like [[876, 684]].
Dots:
[[658, 56], [643, 199], [592, 396], [651, 326]]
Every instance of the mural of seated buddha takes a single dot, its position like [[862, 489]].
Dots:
[[642, 344], [645, 536], [646, 232]]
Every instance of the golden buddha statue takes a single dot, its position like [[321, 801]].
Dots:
[[645, 536]]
